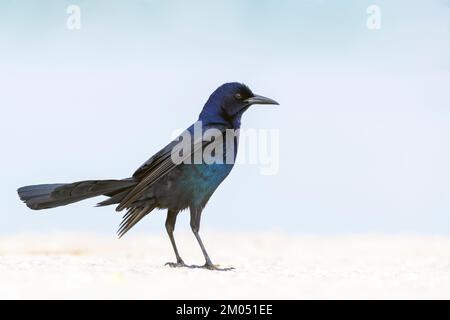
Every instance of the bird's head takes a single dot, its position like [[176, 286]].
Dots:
[[228, 102]]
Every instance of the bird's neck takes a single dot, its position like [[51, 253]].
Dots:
[[213, 118]]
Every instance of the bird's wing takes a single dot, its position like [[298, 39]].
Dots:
[[156, 159], [157, 167]]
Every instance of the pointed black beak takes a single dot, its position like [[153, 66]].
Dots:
[[260, 100]]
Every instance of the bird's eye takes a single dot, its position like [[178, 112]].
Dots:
[[238, 96]]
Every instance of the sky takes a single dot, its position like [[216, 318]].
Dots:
[[363, 121]]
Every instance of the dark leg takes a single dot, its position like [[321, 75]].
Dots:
[[195, 226], [170, 227]]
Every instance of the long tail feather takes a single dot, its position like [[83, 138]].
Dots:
[[133, 216], [47, 196]]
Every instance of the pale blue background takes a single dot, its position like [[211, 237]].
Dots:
[[364, 118]]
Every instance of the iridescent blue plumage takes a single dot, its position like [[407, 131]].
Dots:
[[161, 182]]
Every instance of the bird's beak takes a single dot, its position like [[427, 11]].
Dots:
[[260, 100]]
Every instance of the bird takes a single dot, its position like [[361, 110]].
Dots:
[[170, 179]]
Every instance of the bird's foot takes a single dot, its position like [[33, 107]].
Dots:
[[179, 264], [214, 267]]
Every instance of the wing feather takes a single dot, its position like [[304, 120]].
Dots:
[[157, 167]]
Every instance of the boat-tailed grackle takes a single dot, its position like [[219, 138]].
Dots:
[[165, 183]]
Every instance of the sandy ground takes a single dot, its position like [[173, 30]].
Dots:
[[267, 266]]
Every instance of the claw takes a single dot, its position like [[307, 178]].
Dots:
[[180, 264], [214, 267]]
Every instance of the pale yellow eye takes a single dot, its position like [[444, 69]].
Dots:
[[238, 96]]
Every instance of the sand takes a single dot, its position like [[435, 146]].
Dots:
[[267, 266]]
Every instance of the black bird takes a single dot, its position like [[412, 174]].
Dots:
[[163, 182]]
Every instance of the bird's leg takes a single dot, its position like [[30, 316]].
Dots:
[[195, 226], [170, 227]]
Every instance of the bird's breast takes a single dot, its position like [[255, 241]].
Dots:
[[194, 183]]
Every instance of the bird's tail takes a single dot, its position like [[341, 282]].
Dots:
[[45, 196]]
